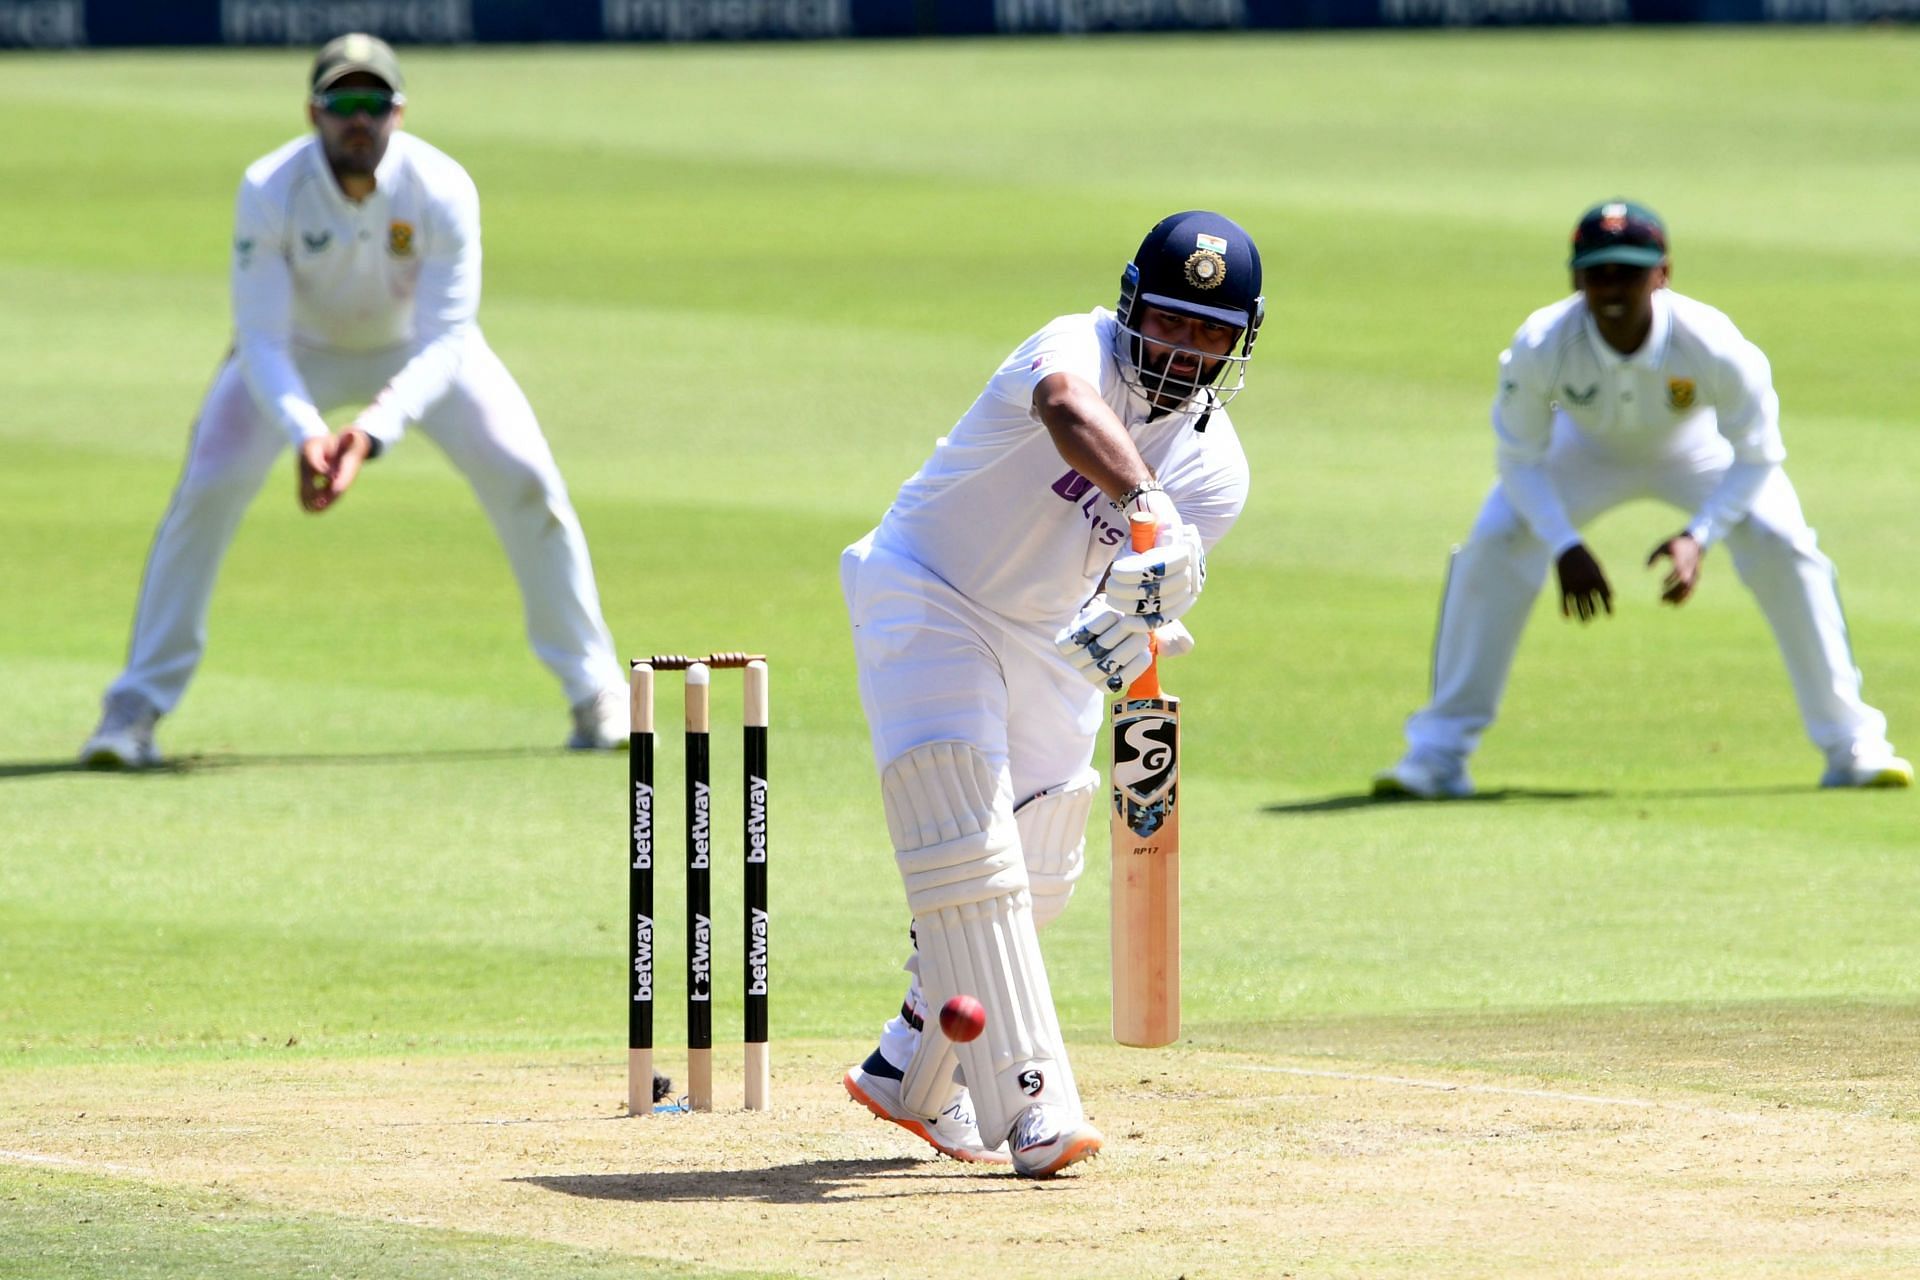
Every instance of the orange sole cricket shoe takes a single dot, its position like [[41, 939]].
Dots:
[[1045, 1141], [952, 1133]]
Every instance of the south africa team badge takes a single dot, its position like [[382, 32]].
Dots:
[[400, 239], [1680, 393]]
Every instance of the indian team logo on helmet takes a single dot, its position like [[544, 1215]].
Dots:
[[400, 239], [1680, 393], [1206, 269]]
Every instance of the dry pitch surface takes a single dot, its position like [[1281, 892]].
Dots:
[[1216, 1166]]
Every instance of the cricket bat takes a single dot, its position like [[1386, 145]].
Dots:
[[1146, 854]]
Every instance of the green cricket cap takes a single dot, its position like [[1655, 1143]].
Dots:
[[1619, 231], [343, 55]]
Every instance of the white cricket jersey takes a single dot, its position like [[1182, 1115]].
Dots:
[[313, 269], [1695, 375], [998, 514]]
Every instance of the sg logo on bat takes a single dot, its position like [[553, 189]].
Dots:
[[1146, 765]]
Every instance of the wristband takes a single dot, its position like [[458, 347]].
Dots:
[[1144, 487]]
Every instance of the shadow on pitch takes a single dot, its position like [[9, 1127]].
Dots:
[[808, 1182], [1507, 795], [218, 762]]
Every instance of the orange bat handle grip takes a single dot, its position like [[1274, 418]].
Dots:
[[1142, 529]]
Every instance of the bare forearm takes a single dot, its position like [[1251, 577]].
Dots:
[[1088, 435]]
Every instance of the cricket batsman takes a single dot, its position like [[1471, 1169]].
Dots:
[[993, 609], [356, 282]]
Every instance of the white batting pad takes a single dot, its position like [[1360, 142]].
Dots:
[[957, 844], [1053, 839], [929, 1083]]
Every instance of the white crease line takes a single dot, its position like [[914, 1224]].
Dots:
[[1448, 1086], [65, 1162]]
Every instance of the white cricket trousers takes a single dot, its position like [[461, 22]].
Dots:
[[936, 667], [1495, 576], [486, 428]]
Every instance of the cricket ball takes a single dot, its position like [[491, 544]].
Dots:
[[962, 1018]]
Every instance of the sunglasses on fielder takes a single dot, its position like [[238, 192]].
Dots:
[[347, 103]]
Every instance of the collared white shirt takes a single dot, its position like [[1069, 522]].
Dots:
[[315, 270], [998, 514], [1693, 376]]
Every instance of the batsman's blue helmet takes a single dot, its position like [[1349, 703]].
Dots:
[[1197, 263]]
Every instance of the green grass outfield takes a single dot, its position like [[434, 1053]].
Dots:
[[745, 288]]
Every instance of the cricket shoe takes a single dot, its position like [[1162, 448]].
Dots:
[[1048, 1137], [124, 739], [1425, 777], [1878, 768], [875, 1085], [601, 722]]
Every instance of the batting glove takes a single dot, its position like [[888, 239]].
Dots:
[[1173, 640], [1158, 586], [1107, 647]]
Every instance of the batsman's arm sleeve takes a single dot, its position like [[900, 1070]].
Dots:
[[1747, 412], [1522, 429], [446, 300], [263, 317], [1210, 486]]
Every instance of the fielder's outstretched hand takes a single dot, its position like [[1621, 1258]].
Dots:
[[1106, 646], [1159, 585], [1685, 574], [1583, 587]]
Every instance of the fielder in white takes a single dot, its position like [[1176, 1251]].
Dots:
[[1629, 390], [986, 643], [356, 281]]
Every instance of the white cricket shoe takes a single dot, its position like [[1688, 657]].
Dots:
[[1048, 1137], [1425, 777], [602, 722], [1872, 767], [124, 738], [951, 1133]]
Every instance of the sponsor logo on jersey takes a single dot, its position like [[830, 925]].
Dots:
[[316, 241], [1580, 397], [1072, 486], [1032, 1082], [1080, 491], [1206, 269], [400, 239], [1680, 393]]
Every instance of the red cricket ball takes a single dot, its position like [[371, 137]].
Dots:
[[962, 1018]]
